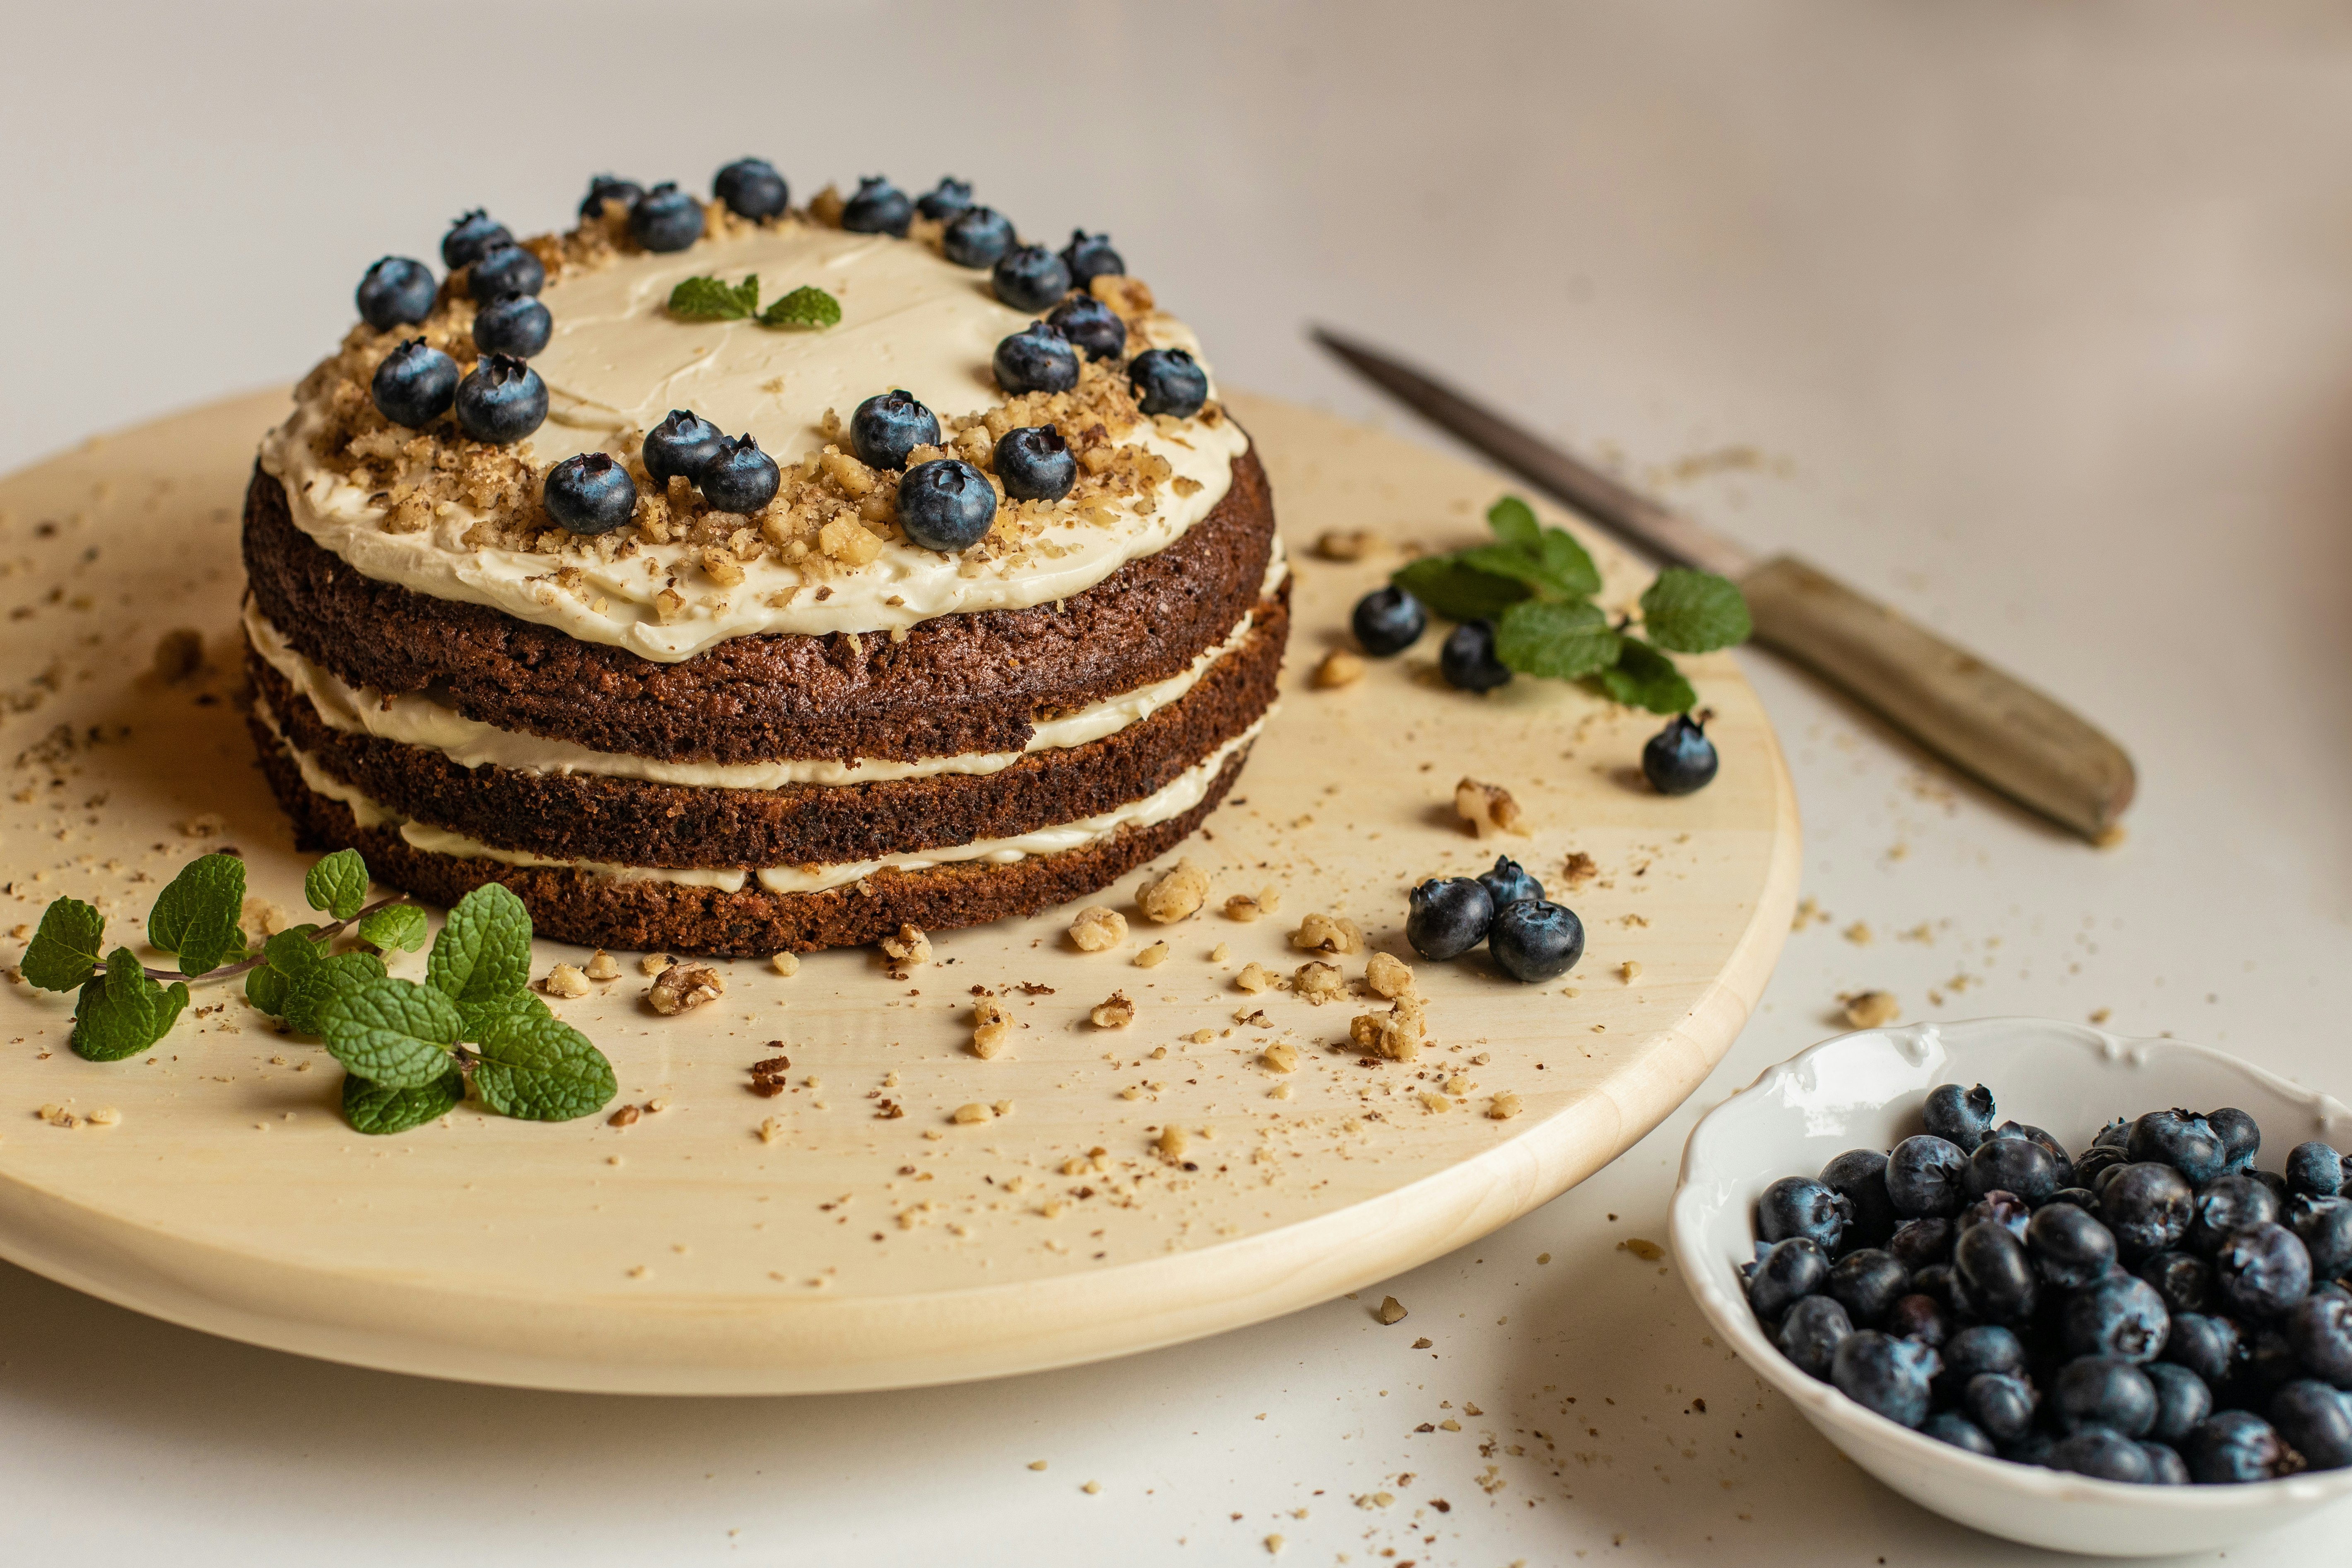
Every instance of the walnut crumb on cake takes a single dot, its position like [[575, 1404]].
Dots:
[[992, 1027], [685, 986], [1328, 934], [1487, 809], [1116, 1012]]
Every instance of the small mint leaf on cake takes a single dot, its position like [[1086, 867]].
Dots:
[[808, 306], [395, 1033], [1558, 641], [337, 884], [330, 977], [1693, 612], [484, 950], [394, 926], [122, 1011], [64, 952], [535, 1067], [709, 299], [196, 914], [1644, 677], [377, 1110]]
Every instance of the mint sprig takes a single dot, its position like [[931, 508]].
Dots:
[[483, 952], [64, 952], [196, 914], [122, 1011], [807, 307]]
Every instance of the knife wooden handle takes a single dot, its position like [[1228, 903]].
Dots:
[[1979, 719]]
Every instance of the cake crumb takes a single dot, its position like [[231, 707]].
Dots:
[[1152, 957], [1339, 667], [2101, 1015], [1487, 809], [1386, 975], [1097, 928], [565, 980], [966, 1115], [1347, 544], [910, 946], [1390, 1311], [1870, 1009], [1255, 978], [602, 966], [1281, 1057], [1174, 895], [179, 654], [1116, 1012], [992, 1027], [1328, 934], [685, 986], [785, 963], [1319, 982]]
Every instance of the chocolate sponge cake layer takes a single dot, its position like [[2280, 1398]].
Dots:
[[634, 822], [655, 916], [958, 683]]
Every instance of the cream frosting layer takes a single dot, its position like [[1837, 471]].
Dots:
[[619, 361], [1181, 794], [416, 721]]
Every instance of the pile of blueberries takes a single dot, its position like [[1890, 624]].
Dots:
[[2154, 1309], [946, 505], [1529, 938]]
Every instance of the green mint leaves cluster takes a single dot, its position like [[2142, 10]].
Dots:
[[409, 1050], [709, 299], [1537, 583]]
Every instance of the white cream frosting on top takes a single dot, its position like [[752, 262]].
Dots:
[[618, 361]]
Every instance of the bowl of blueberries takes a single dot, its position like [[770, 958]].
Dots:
[[2073, 1290]]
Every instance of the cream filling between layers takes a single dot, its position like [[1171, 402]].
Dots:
[[1180, 795], [420, 721], [619, 361]]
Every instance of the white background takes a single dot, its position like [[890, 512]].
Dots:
[[2037, 320]]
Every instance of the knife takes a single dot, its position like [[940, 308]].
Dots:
[[1982, 721]]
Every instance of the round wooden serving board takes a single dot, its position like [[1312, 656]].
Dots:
[[851, 1249]]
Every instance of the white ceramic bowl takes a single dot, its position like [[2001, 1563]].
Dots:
[[1865, 1091]]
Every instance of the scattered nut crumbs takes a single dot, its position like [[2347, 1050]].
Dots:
[[1174, 895], [685, 986], [1220, 953], [1255, 978], [654, 962], [992, 1027], [1395, 1035], [1629, 972], [1388, 975], [910, 946], [768, 1077], [966, 1115], [1339, 667], [1488, 808], [1504, 1106], [1152, 957], [1390, 1311], [106, 1116], [1116, 1012], [1319, 982], [1281, 1057], [785, 963], [563, 980], [602, 966], [1096, 929], [1870, 1009], [1172, 1142], [1350, 544], [1247, 907], [625, 1116], [1328, 934], [1580, 869]]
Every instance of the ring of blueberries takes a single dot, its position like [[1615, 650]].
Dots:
[[1530, 938], [2155, 1311]]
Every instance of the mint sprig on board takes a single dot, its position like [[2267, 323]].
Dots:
[[410, 1051], [710, 300], [1537, 583]]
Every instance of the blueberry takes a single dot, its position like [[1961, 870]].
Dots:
[[2003, 1403], [2210, 1347], [1028, 276], [609, 188], [1387, 621], [2057, 1151], [2182, 1401], [2270, 1363], [2147, 1205], [944, 200], [1987, 1347], [2240, 1136], [1467, 661], [1092, 325], [1034, 463], [2116, 1134], [2101, 1454], [2264, 1271], [1447, 917], [1861, 1175], [2165, 1465], [2229, 1202], [1811, 1332], [1867, 1284], [681, 446], [2235, 1446], [2316, 1421], [1168, 381], [2312, 1169], [1919, 1316], [740, 476], [503, 272], [2017, 1166], [470, 236], [1958, 1116], [1035, 359], [2319, 1332], [1951, 1427], [2094, 1161], [1089, 256], [1919, 1242], [1680, 759], [502, 401], [2081, 1197], [2182, 1140], [2103, 1391], [2325, 1227], [946, 504], [415, 385], [876, 207], [666, 218], [889, 425], [1784, 1273], [2184, 1279], [2119, 1316], [1888, 1376], [1993, 1265], [751, 188], [398, 292], [520, 326], [2273, 1180], [2033, 1448], [1998, 1207], [2069, 1246], [1508, 882], [590, 494], [1927, 1177], [977, 237], [1534, 941]]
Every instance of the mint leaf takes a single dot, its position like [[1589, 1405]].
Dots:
[[338, 884], [285, 959], [400, 926], [1644, 677], [1457, 591], [328, 978], [1559, 641], [196, 915], [480, 1018], [121, 1012], [1693, 612], [395, 1033], [64, 952], [709, 299], [483, 948], [539, 1068], [377, 1110], [1514, 523], [804, 306]]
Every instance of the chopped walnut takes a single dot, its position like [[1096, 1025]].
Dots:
[[1319, 982], [1339, 667], [1152, 957], [785, 963], [1504, 1106], [910, 946], [1116, 1013], [1350, 544], [1388, 975], [1173, 1143], [1247, 907], [565, 980], [685, 986], [1395, 1035], [1488, 808], [1581, 868], [654, 962], [1870, 1009], [1098, 929], [1174, 895], [1130, 298], [1327, 933], [1281, 1057], [966, 1115], [992, 1027], [602, 966], [627, 1116], [1255, 978]]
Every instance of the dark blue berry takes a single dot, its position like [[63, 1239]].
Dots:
[[2069, 1246], [1998, 1207], [1168, 381], [2017, 1166], [2270, 1363], [2147, 1205], [1387, 621], [876, 207], [889, 425], [666, 218], [2184, 1279], [1035, 359], [979, 237], [1860, 1175], [1889, 1376], [2210, 1347], [2182, 1401], [2316, 1422], [2115, 1134], [2324, 1225], [2273, 1180], [1448, 916], [682, 446], [1919, 1243], [1957, 1115], [2095, 1161], [2166, 1467], [2319, 1332], [1089, 256], [2313, 1170], [609, 188], [1951, 1427], [1987, 1347], [1090, 324], [2182, 1140], [504, 271], [1993, 1265], [1466, 658], [1799, 1205], [944, 200], [2003, 1403], [1927, 1177], [946, 504], [2229, 1202], [740, 476], [2103, 1391], [2263, 1271], [470, 236], [2056, 1150], [520, 326], [504, 400], [1533, 941], [2102, 1455], [1680, 759], [2240, 1136], [1867, 1283], [2234, 1445], [2033, 1448], [415, 385], [751, 188], [1784, 1272], [396, 292], [1811, 1332], [590, 494], [1920, 1316], [1034, 463], [1508, 882], [2119, 1316]]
